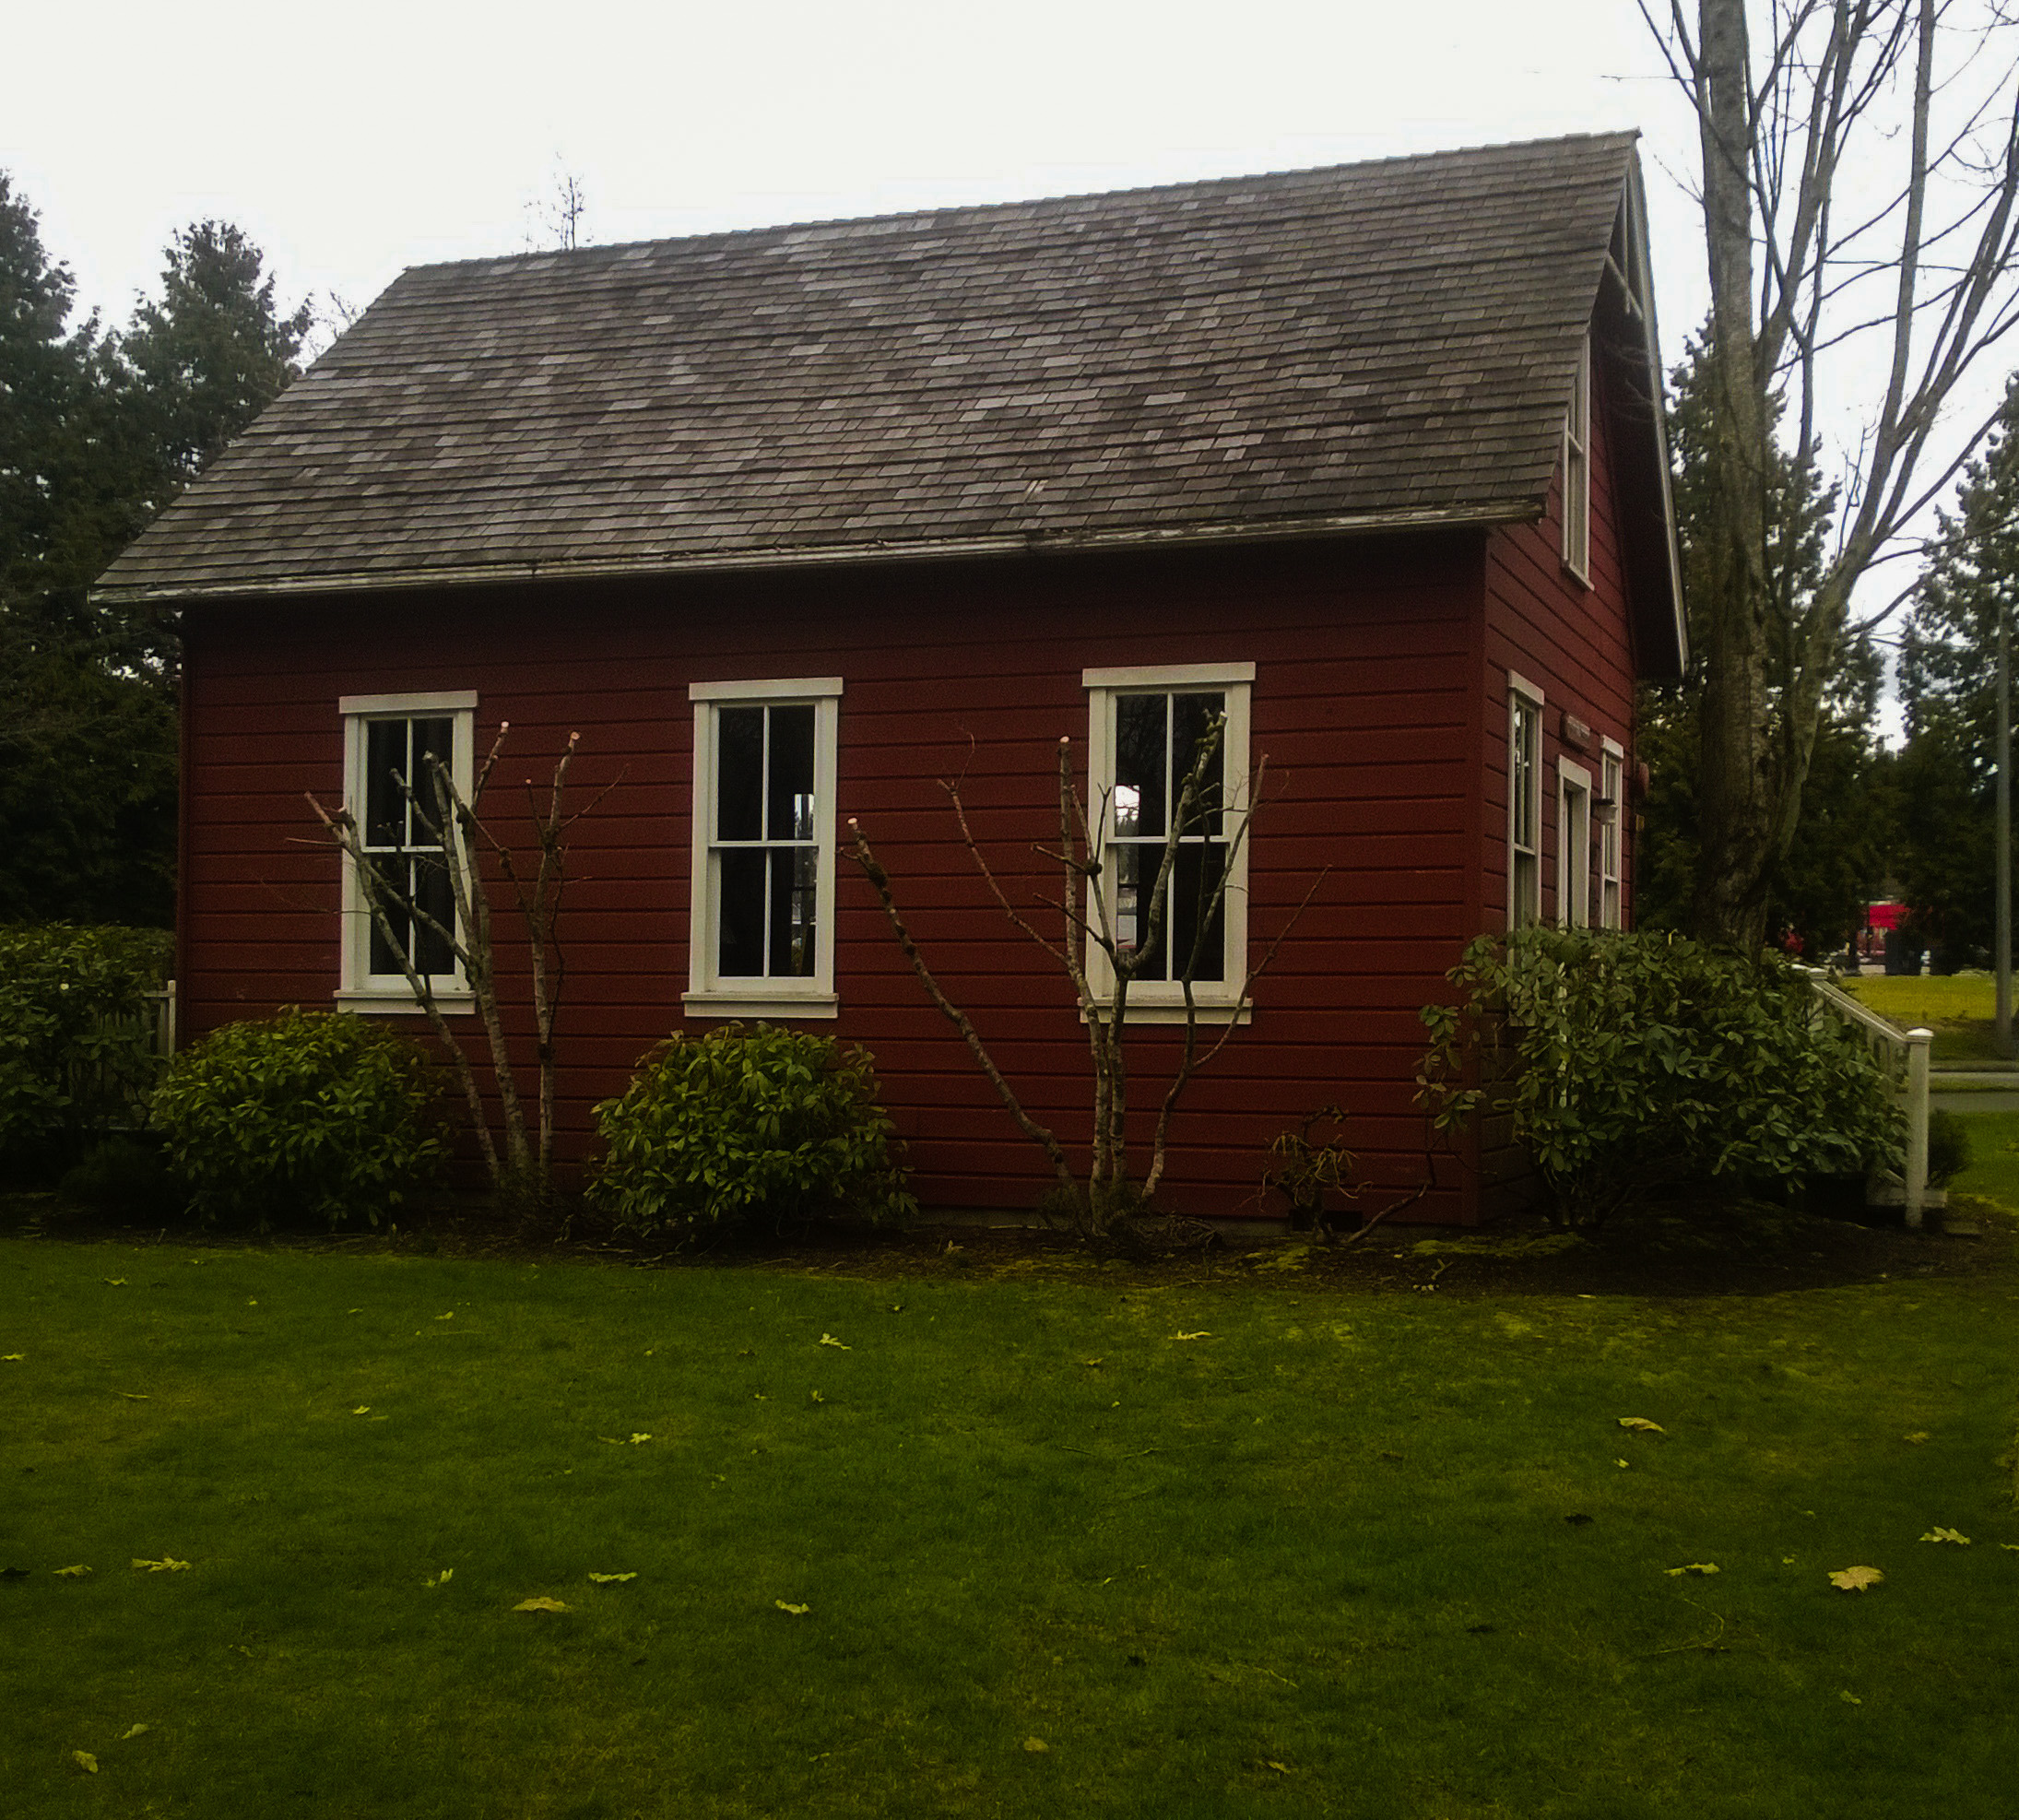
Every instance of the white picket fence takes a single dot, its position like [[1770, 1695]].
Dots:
[[1903, 1055]]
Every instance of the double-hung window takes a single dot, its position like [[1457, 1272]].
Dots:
[[762, 939], [1524, 802], [1148, 728], [1609, 810], [391, 743], [1572, 844], [1578, 468]]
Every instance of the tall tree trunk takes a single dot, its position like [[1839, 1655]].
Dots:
[[1736, 794]]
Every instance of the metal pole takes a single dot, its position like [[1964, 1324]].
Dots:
[[2002, 958]]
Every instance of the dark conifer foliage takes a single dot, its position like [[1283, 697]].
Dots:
[[1948, 684], [97, 432], [1817, 891]]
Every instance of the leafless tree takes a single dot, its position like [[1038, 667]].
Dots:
[[523, 1171], [1105, 1199], [554, 221], [1860, 164]]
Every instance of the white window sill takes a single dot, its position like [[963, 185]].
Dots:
[[403, 1003], [769, 1006], [1162, 1010]]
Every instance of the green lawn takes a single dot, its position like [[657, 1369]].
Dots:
[[1219, 1550], [1960, 1009]]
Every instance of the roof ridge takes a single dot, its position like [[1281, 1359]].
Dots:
[[1624, 138]]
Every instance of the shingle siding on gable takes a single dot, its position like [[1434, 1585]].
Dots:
[[1370, 343]]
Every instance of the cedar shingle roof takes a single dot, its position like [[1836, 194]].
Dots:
[[1379, 344]]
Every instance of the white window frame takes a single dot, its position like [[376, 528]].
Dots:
[[1578, 468], [1611, 832], [1572, 844], [1161, 1000], [1524, 696], [357, 985], [708, 994]]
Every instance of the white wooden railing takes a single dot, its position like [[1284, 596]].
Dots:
[[1903, 1055], [161, 1014]]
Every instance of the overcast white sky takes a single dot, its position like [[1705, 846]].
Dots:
[[353, 140]]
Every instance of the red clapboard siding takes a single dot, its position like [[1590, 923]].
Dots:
[[1379, 701]]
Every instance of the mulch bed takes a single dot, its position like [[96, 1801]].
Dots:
[[1677, 1250]]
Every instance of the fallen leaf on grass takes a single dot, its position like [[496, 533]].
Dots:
[[1914, 1440], [829, 1340], [114, 1283], [449, 1317], [612, 1579], [1090, 1364], [797, 1610], [1856, 1580], [84, 1761], [637, 1440], [442, 1578], [1849, 1699], [1201, 1334], [168, 1564], [1939, 1534], [362, 1408], [818, 1398], [1281, 1769], [1035, 1745], [541, 1604], [1641, 1425], [1622, 1462], [77, 1573], [1692, 1567], [133, 1732]]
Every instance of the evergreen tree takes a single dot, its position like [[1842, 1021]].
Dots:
[[96, 433], [1949, 686], [1817, 890], [213, 353]]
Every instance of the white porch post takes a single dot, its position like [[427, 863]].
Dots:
[[1917, 1124]]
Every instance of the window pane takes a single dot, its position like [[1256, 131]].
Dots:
[[1192, 717], [435, 737], [433, 894], [741, 955], [790, 799], [1135, 881], [1195, 876], [384, 959], [739, 775], [384, 802], [793, 871], [1141, 745]]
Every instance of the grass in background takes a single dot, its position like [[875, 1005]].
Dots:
[[1064, 1550], [1994, 1157], [1959, 1008]]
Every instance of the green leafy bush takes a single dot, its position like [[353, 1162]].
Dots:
[[1948, 1147], [77, 1054], [1631, 1061], [122, 1178], [312, 1116], [746, 1124]]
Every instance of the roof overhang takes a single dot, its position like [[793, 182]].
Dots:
[[830, 555], [1625, 323]]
